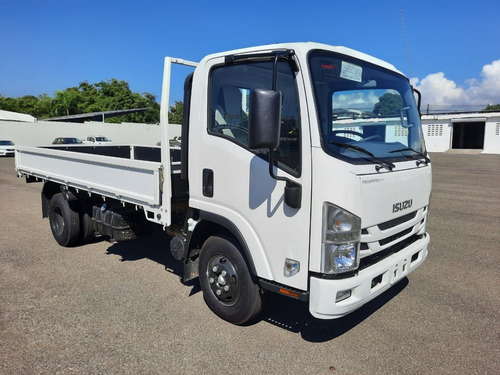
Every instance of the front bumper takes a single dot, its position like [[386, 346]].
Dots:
[[367, 284], [7, 152]]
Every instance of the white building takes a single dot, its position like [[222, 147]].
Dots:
[[454, 131]]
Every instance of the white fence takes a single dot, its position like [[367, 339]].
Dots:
[[44, 132]]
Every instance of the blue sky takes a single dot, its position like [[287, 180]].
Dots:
[[49, 45]]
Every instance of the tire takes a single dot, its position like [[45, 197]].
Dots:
[[86, 224], [228, 288], [64, 221]]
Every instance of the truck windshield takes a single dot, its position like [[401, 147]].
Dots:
[[366, 113]]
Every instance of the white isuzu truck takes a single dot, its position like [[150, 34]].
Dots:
[[302, 171]]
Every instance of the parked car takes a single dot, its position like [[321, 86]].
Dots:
[[66, 141], [97, 140], [6, 148]]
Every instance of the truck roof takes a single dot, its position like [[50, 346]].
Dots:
[[303, 48]]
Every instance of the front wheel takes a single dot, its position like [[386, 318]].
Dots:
[[228, 288], [64, 221]]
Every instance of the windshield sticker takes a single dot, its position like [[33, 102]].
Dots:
[[351, 72]]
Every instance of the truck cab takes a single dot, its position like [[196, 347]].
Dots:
[[347, 140]]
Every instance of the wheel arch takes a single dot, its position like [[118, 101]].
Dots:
[[51, 188], [210, 224]]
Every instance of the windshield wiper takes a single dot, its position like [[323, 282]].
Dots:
[[426, 159], [385, 163]]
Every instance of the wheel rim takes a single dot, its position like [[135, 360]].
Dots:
[[57, 221], [222, 278]]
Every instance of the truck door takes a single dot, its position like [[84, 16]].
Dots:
[[234, 182]]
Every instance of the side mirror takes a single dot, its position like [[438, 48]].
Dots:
[[264, 119], [264, 126]]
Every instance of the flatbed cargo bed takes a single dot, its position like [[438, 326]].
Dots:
[[129, 173]]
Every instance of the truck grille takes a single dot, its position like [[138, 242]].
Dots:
[[385, 239], [372, 259], [395, 237], [397, 221]]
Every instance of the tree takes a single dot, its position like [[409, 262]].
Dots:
[[66, 102], [102, 96], [35, 106], [388, 105], [8, 104], [492, 107], [175, 113], [43, 107]]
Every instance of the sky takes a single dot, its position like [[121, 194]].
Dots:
[[49, 45]]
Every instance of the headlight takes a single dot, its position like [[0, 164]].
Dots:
[[341, 237]]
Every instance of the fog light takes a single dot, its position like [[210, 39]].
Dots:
[[342, 295], [292, 267]]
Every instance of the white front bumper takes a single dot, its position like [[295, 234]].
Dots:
[[323, 292]]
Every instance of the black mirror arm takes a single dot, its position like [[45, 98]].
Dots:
[[271, 167], [293, 190]]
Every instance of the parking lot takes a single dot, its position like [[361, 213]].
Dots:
[[120, 308]]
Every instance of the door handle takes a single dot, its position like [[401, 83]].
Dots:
[[208, 183]]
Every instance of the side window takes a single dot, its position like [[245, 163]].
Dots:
[[230, 87], [230, 112]]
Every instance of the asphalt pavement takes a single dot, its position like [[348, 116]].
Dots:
[[120, 308]]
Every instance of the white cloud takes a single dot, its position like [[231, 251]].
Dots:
[[487, 90], [439, 91]]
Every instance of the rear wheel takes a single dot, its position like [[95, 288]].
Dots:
[[86, 224], [228, 288], [64, 221]]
